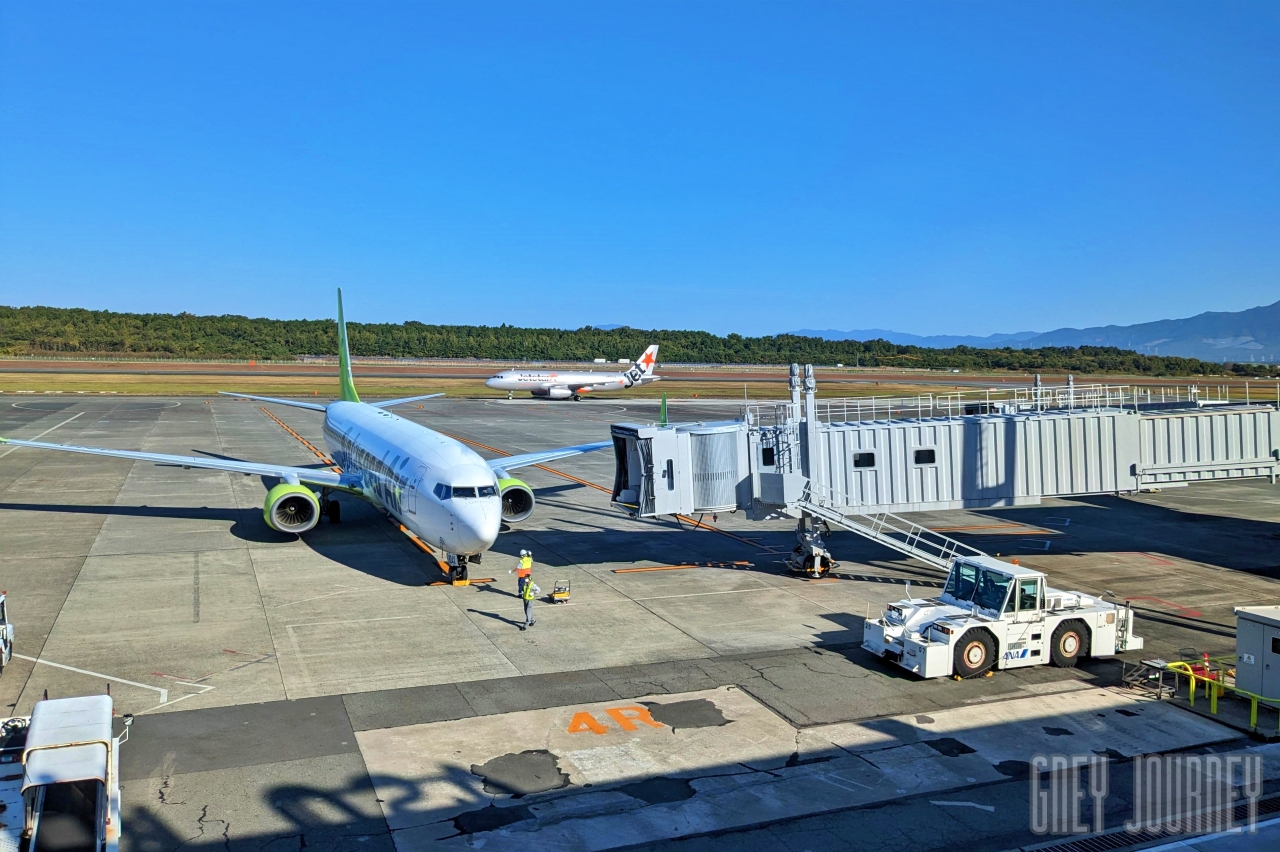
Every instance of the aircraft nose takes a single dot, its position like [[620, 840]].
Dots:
[[476, 524]]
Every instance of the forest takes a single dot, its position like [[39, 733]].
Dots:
[[65, 332]]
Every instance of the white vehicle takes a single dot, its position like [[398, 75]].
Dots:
[[6, 632], [66, 795], [993, 614], [574, 384]]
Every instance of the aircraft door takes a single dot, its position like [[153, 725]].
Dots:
[[411, 494]]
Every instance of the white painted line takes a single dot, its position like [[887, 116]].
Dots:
[[42, 434], [990, 808], [349, 590], [164, 693]]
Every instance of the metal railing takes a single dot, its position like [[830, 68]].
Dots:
[[1007, 400], [1217, 676], [911, 539]]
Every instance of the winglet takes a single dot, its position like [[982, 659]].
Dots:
[[662, 412], [346, 386]]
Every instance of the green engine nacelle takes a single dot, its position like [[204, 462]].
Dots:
[[517, 500], [291, 508]]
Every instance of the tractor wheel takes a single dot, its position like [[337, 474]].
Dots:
[[1070, 643], [975, 653]]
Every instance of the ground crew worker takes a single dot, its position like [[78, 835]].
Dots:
[[529, 592], [523, 571]]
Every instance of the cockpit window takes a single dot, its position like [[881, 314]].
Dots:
[[488, 491], [442, 491], [464, 491]]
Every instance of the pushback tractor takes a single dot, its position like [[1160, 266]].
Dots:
[[993, 615]]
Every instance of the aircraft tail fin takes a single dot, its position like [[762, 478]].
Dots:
[[347, 387], [648, 360]]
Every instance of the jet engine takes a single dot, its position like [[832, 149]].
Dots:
[[517, 500], [552, 393], [291, 508]]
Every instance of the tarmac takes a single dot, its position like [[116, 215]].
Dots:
[[328, 692]]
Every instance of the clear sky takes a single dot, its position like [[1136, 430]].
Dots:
[[957, 167]]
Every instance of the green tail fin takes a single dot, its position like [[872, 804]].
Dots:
[[346, 385], [662, 412]]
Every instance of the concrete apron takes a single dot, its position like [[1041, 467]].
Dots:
[[600, 776]]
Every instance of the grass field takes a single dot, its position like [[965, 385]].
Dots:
[[327, 388]]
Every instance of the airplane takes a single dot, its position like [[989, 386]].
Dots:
[[575, 384], [438, 488]]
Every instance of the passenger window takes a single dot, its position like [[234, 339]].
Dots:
[[766, 457], [864, 459], [926, 457], [1028, 595]]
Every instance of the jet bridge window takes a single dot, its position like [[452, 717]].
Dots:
[[767, 457], [865, 460], [671, 475], [929, 456]]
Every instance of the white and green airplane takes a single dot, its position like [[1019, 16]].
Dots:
[[438, 488]]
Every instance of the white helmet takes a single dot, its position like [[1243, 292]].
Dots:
[[525, 553]]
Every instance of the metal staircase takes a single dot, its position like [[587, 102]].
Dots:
[[931, 548]]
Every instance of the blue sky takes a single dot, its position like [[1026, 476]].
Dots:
[[959, 167]]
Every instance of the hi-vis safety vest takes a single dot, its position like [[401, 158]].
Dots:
[[527, 594], [525, 566]]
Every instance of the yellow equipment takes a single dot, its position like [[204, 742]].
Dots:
[[560, 593]]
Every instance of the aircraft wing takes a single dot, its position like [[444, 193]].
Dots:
[[314, 406], [387, 403], [513, 462], [323, 477]]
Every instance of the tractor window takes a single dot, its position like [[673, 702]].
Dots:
[[1028, 595], [4, 619], [488, 491], [992, 589], [960, 584]]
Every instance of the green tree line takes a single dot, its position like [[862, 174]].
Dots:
[[73, 331]]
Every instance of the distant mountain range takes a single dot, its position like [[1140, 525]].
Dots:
[[1239, 336]]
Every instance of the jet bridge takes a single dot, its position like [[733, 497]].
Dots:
[[855, 463]]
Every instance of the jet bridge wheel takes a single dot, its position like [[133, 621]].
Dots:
[[975, 653], [1070, 643]]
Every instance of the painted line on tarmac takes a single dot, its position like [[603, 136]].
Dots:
[[42, 434], [164, 693]]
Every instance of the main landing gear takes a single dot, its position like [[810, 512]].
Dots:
[[329, 507]]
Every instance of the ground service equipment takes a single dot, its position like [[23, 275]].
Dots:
[[67, 795], [6, 633], [995, 615]]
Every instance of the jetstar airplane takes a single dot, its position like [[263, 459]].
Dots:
[[438, 488], [565, 385]]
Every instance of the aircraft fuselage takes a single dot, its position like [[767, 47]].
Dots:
[[402, 466]]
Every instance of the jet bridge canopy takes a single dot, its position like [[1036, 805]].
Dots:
[[68, 740]]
